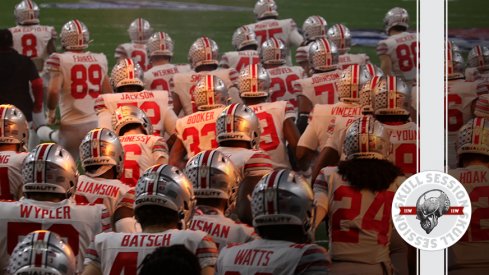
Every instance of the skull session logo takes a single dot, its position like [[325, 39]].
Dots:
[[431, 210]]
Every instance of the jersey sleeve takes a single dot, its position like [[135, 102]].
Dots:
[[54, 34], [127, 200], [314, 260], [295, 38], [321, 187], [257, 165], [224, 62], [105, 219], [92, 256], [207, 252], [233, 76], [120, 52], [308, 138], [53, 63], [382, 48], [289, 111], [160, 149]]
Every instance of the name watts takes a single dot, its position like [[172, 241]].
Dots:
[[161, 73], [135, 138], [199, 117], [31, 211], [84, 58], [97, 188], [135, 96], [146, 240], [254, 257], [215, 230], [325, 78]]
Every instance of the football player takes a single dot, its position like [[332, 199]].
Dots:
[[469, 256], [272, 56], [197, 132], [238, 136], [268, 25], [50, 176], [14, 134], [30, 38], [276, 118], [340, 35], [52, 255], [203, 59], [139, 32], [320, 88], [126, 78], [245, 43], [398, 53], [160, 52], [283, 216], [478, 58], [365, 182], [215, 180], [314, 27], [164, 201], [77, 77]]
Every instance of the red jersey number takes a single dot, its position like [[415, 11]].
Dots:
[[326, 91], [29, 45], [269, 138], [264, 35], [82, 76], [131, 166], [407, 56]]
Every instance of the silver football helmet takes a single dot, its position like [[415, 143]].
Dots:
[[391, 96], [74, 35], [102, 147], [139, 31], [129, 114], [282, 197], [366, 138], [367, 94], [301, 54], [396, 17], [210, 93], [473, 137], [242, 37], [314, 27], [204, 51], [265, 8], [273, 51], [455, 64], [340, 35], [478, 58], [254, 81], [126, 73], [351, 82], [238, 122], [160, 44], [42, 252], [49, 168], [13, 126], [26, 13], [166, 186], [323, 55]]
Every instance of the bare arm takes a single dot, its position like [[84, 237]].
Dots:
[[54, 88], [106, 87], [304, 157], [327, 157], [304, 107], [292, 135], [208, 270], [91, 269], [177, 153], [386, 64], [243, 204], [177, 105]]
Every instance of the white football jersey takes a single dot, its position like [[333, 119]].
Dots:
[[249, 162], [156, 105], [324, 119], [108, 192], [123, 253], [402, 49], [222, 229], [238, 60], [134, 51], [140, 152], [32, 41], [11, 179], [471, 250], [183, 85], [320, 88], [83, 75], [198, 131], [348, 59], [76, 224], [362, 235], [272, 116], [272, 257], [158, 77], [404, 149], [281, 83]]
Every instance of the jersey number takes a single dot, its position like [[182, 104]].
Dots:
[[140, 58], [125, 261], [150, 108], [407, 55], [263, 35], [269, 137], [131, 166], [405, 157], [455, 116], [29, 45], [279, 88], [81, 76], [245, 62], [329, 89], [477, 231], [194, 134], [160, 84]]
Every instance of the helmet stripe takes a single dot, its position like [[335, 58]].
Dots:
[[391, 92], [207, 48], [39, 254], [162, 41], [79, 31], [95, 143], [29, 3], [363, 132], [270, 202], [254, 78], [342, 36], [210, 89], [130, 68], [204, 179], [480, 58], [140, 29], [374, 81], [42, 153], [230, 118], [3, 111], [449, 59], [478, 122], [354, 80], [370, 68], [327, 55]]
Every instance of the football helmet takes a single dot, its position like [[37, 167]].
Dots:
[[323, 55], [455, 65], [282, 197], [253, 81], [340, 35], [13, 126], [204, 51], [396, 17], [42, 252], [74, 35], [210, 93], [366, 95], [273, 51], [126, 73], [49, 168], [301, 54], [242, 37], [481, 108], [213, 175], [473, 137], [373, 70], [452, 46], [160, 44], [478, 58], [102, 147], [238, 122], [351, 82], [26, 13], [139, 31], [391, 96], [366, 138], [314, 27], [265, 8], [129, 114], [166, 186]]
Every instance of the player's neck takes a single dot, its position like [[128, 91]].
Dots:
[[135, 131], [271, 66], [253, 101], [475, 162], [157, 228], [206, 68], [8, 147]]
